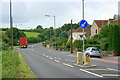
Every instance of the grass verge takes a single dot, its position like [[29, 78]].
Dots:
[[14, 66]]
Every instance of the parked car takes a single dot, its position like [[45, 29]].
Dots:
[[93, 51]]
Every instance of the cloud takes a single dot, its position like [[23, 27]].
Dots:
[[32, 13]]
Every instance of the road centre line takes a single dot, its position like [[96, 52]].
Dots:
[[113, 69], [68, 65], [57, 57], [110, 75], [50, 58], [91, 73], [57, 61]]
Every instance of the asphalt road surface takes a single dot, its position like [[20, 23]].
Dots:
[[48, 63]]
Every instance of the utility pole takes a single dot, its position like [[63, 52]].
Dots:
[[71, 49], [83, 28], [11, 28], [55, 31]]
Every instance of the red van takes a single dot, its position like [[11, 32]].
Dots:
[[23, 42]]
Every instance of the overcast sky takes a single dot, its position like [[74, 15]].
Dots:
[[30, 13]]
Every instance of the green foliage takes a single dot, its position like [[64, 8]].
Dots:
[[34, 40], [63, 35], [39, 27], [42, 36], [31, 34], [109, 38], [61, 42], [78, 44], [113, 38], [3, 46], [10, 63], [16, 35], [68, 43]]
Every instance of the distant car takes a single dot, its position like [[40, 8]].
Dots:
[[93, 51]]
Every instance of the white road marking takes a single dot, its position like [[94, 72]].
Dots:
[[57, 61], [50, 58], [96, 69], [43, 54], [57, 57], [90, 73], [113, 69], [68, 65], [110, 75]]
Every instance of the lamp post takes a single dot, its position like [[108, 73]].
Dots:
[[83, 28], [54, 26]]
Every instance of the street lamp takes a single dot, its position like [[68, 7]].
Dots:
[[54, 25]]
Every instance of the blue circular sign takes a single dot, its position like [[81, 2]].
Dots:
[[83, 23]]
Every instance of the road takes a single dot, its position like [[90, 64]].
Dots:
[[48, 63]]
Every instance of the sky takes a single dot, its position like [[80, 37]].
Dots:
[[29, 14]]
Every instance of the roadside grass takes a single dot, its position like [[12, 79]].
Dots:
[[31, 34], [14, 66], [0, 65], [3, 31]]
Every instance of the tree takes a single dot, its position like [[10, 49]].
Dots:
[[42, 36], [16, 35], [39, 27], [68, 43], [78, 44], [113, 38], [63, 35]]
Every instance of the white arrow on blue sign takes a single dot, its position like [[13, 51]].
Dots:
[[83, 23]]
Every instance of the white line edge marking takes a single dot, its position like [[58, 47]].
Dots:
[[113, 69], [56, 61], [91, 73], [110, 75], [68, 65]]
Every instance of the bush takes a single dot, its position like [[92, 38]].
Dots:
[[3, 46], [34, 40]]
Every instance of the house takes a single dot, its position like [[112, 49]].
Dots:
[[78, 33], [97, 24]]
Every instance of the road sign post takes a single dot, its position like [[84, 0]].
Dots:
[[83, 24]]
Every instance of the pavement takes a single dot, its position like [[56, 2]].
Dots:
[[48, 63]]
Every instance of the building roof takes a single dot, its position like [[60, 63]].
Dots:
[[101, 23], [87, 30]]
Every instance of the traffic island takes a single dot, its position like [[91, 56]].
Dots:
[[84, 66], [83, 60]]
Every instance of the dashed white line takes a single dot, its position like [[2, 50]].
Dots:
[[57, 57], [110, 75], [68, 65], [50, 58], [113, 69], [57, 61], [90, 73]]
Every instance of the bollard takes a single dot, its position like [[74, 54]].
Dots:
[[86, 59], [79, 57]]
